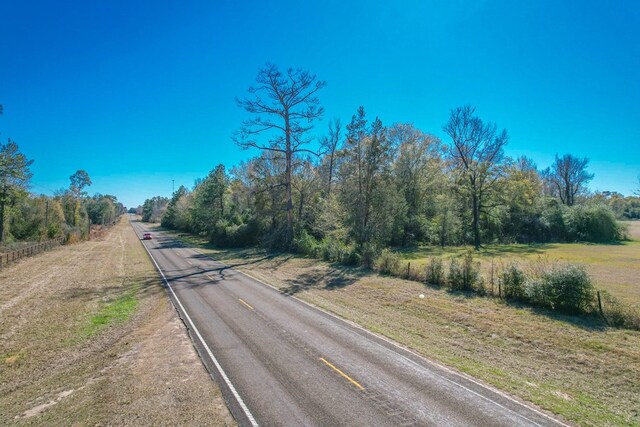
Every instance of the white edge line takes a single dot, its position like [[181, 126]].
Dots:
[[224, 376], [443, 367]]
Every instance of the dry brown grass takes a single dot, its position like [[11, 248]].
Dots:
[[137, 367], [572, 366], [633, 228]]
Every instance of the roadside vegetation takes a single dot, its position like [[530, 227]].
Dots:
[[573, 365], [376, 196], [27, 217], [370, 186], [524, 271], [89, 337], [113, 312]]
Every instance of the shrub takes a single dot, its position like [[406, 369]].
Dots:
[[565, 288], [455, 276], [335, 251], [306, 244], [349, 256], [435, 272], [53, 231], [387, 263], [619, 314], [513, 282], [465, 276], [368, 255], [329, 250], [72, 237], [552, 221], [231, 235], [595, 223]]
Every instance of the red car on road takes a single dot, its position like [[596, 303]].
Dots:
[[146, 236]]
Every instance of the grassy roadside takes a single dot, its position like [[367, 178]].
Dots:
[[572, 366], [614, 268], [89, 338], [117, 311]]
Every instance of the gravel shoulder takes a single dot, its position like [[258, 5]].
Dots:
[[89, 337]]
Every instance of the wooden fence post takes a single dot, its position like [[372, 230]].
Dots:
[[600, 308]]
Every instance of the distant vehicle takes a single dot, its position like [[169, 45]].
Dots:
[[147, 236]]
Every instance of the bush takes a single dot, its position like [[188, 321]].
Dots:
[[231, 235], [349, 256], [455, 278], [387, 263], [595, 223], [334, 251], [552, 224], [368, 255], [329, 250], [513, 282], [72, 237], [619, 314], [435, 272], [566, 288], [306, 244], [465, 276]]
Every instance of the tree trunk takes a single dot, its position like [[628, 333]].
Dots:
[[476, 221], [2, 203], [288, 173], [301, 205], [221, 205], [330, 173]]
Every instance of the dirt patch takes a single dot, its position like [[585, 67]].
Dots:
[[136, 369]]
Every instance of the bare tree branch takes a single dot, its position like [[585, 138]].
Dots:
[[281, 102]]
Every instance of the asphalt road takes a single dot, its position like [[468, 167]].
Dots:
[[281, 362]]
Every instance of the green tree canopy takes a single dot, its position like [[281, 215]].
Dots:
[[14, 178]]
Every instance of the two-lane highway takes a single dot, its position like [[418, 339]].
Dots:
[[280, 361]]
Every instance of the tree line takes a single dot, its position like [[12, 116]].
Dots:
[[370, 185], [26, 216]]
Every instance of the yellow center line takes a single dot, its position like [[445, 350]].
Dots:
[[347, 377], [245, 303]]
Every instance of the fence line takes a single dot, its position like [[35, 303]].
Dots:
[[9, 257]]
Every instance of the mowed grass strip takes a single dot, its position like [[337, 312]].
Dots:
[[89, 337], [573, 366], [117, 311]]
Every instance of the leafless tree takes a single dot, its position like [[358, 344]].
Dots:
[[477, 152], [567, 177], [329, 146], [284, 105]]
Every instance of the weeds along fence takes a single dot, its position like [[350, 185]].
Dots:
[[7, 258]]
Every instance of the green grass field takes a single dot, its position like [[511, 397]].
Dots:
[[614, 267]]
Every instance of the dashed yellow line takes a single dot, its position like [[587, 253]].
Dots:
[[347, 377], [245, 303]]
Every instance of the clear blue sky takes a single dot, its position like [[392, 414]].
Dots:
[[138, 93]]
